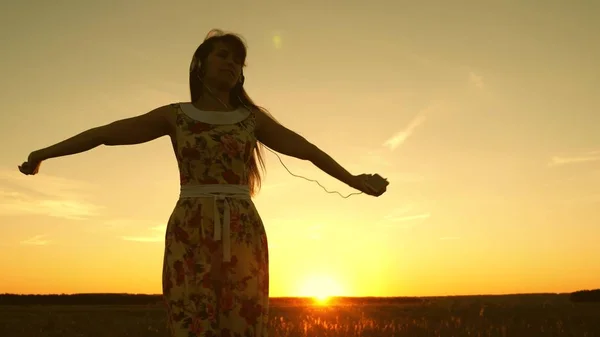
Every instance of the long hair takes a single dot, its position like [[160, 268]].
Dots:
[[237, 97]]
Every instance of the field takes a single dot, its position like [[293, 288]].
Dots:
[[512, 316]]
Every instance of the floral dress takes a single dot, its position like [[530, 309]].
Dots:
[[215, 270]]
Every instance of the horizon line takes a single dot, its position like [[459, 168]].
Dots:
[[310, 297]]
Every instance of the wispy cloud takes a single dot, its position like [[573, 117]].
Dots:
[[476, 80], [405, 216], [150, 239], [575, 159], [44, 195], [401, 210], [135, 223], [154, 234], [37, 240], [43, 184], [401, 136]]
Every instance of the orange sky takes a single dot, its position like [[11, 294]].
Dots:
[[483, 118]]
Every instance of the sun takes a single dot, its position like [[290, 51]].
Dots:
[[321, 288], [321, 299]]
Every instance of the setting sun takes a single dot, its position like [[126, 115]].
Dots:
[[321, 288]]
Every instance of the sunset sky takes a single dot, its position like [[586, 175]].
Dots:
[[484, 118]]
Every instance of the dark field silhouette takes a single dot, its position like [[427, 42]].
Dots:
[[114, 315]]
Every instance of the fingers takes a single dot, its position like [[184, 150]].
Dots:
[[366, 187], [23, 169], [27, 169]]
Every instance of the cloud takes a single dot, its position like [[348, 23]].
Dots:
[[476, 80], [43, 184], [124, 223], [575, 159], [405, 217], [159, 228], [401, 210], [151, 239], [44, 195], [401, 136], [157, 234], [37, 240]]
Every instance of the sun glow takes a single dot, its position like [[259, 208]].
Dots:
[[321, 288]]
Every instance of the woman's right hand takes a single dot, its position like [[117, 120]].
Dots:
[[32, 165], [365, 184]]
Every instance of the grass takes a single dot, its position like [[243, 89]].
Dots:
[[512, 316]]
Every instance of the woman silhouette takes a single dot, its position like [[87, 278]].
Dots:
[[215, 271]]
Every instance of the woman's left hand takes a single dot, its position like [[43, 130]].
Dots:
[[366, 183]]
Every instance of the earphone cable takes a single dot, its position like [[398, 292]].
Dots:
[[275, 153]]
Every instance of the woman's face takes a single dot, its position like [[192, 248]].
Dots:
[[223, 67]]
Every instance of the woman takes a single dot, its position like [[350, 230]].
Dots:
[[215, 271]]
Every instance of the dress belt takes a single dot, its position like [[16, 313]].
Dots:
[[223, 192]]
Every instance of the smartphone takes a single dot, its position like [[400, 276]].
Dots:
[[377, 183]]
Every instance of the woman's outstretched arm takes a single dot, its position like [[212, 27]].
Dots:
[[134, 130], [129, 131], [288, 142]]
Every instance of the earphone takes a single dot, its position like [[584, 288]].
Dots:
[[311, 180], [196, 64]]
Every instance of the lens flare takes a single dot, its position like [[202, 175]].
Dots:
[[277, 41]]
